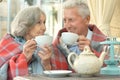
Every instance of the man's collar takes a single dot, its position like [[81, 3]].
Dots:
[[89, 34]]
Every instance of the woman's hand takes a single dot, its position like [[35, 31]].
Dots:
[[29, 48], [45, 55], [82, 42]]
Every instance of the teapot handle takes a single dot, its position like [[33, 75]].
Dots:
[[71, 57]]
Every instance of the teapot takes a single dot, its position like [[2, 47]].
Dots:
[[86, 63]]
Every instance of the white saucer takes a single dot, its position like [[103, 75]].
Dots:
[[57, 73]]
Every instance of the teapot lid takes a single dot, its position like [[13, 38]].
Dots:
[[87, 50]]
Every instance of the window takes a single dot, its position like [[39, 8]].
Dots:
[[52, 8]]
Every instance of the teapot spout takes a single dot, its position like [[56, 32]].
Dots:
[[103, 54]]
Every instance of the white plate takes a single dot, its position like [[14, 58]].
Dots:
[[57, 73]]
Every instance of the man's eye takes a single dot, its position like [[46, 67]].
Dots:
[[70, 19], [64, 21]]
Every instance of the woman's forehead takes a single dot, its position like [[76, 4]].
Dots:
[[43, 17]]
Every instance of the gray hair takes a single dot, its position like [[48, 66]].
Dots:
[[82, 6], [25, 19]]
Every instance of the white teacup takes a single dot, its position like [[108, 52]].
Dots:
[[69, 38], [43, 40]]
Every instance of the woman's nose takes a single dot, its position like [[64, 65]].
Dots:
[[43, 27]]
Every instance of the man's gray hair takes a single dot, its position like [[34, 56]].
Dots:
[[25, 19], [82, 6]]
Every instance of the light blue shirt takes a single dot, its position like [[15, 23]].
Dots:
[[35, 66], [75, 48]]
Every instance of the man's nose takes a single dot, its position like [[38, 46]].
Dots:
[[67, 24]]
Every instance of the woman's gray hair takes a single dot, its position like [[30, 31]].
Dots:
[[82, 6], [25, 19]]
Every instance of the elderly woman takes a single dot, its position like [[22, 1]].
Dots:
[[19, 54]]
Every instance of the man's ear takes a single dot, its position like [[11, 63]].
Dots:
[[87, 19]]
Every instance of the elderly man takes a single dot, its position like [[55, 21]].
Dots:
[[76, 16]]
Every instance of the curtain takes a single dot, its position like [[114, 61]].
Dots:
[[53, 10], [101, 12]]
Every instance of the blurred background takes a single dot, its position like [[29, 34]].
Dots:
[[106, 15]]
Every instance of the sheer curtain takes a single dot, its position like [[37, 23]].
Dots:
[[102, 11], [53, 10]]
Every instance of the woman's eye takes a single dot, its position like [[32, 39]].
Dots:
[[44, 22], [39, 22]]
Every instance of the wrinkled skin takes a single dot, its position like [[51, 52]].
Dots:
[[30, 46], [75, 23]]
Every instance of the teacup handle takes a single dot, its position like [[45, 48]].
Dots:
[[72, 57]]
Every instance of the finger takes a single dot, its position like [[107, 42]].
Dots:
[[32, 48], [46, 49], [60, 40], [29, 47], [81, 42], [81, 47], [81, 38], [42, 55], [31, 43], [29, 50]]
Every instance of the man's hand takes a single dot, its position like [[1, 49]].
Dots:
[[82, 42]]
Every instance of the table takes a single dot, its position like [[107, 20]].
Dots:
[[72, 76]]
